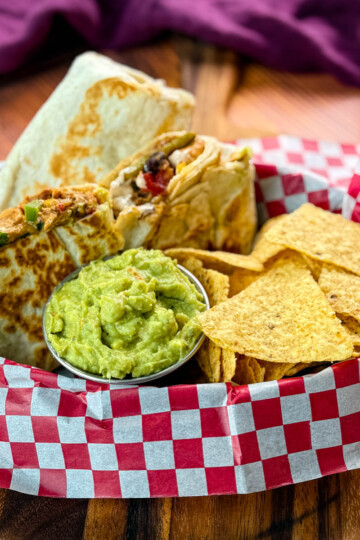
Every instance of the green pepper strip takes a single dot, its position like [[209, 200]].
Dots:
[[167, 148], [32, 209], [4, 239]]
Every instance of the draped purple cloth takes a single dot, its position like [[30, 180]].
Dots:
[[296, 35]]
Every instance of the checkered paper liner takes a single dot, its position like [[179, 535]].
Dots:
[[65, 437]]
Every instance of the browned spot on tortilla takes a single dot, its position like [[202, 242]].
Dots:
[[9, 329], [29, 270], [90, 242], [88, 175], [38, 187], [44, 359], [86, 124], [168, 123], [4, 261]]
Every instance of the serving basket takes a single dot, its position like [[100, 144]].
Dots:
[[67, 437]]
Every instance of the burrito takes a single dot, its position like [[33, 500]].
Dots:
[[42, 241], [183, 189], [101, 112]]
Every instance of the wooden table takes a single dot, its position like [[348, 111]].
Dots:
[[234, 98]]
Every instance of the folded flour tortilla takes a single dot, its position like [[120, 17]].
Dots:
[[32, 265], [101, 112], [183, 189]]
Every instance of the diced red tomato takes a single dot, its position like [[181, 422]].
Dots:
[[61, 207], [156, 184]]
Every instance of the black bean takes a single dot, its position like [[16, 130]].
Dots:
[[154, 162]]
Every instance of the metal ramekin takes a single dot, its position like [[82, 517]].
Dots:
[[127, 380]]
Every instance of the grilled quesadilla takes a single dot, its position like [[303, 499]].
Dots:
[[30, 268], [183, 189], [101, 112], [43, 240]]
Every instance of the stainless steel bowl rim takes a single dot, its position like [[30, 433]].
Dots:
[[126, 381]]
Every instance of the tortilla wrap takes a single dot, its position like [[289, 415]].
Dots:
[[209, 202], [101, 112], [93, 237], [31, 267]]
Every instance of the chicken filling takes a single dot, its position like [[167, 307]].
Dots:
[[134, 187]]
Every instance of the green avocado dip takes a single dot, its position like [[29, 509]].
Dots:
[[134, 314]]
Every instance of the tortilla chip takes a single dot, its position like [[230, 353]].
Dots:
[[277, 370], [216, 285], [321, 235], [228, 365], [264, 250], [314, 265], [209, 360], [241, 278], [266, 227], [251, 370], [342, 291], [352, 327], [283, 317], [248, 370], [300, 367], [222, 261]]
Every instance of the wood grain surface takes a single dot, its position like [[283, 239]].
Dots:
[[234, 98]]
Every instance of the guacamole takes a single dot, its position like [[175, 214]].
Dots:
[[134, 314]]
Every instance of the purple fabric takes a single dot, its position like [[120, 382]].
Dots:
[[297, 35]]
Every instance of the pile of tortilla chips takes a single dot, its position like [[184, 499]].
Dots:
[[293, 303]]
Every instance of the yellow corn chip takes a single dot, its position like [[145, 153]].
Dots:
[[209, 359], [273, 371], [321, 235], [352, 327], [265, 250], [240, 279], [283, 316], [267, 226], [342, 290], [228, 364], [216, 285], [217, 260], [245, 373], [315, 266], [277, 370], [299, 367], [258, 369], [248, 370]]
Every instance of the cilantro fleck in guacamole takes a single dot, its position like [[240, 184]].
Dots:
[[135, 313]]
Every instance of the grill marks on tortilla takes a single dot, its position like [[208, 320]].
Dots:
[[85, 125], [92, 237], [29, 270]]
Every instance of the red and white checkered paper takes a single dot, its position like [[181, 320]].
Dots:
[[67, 437]]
